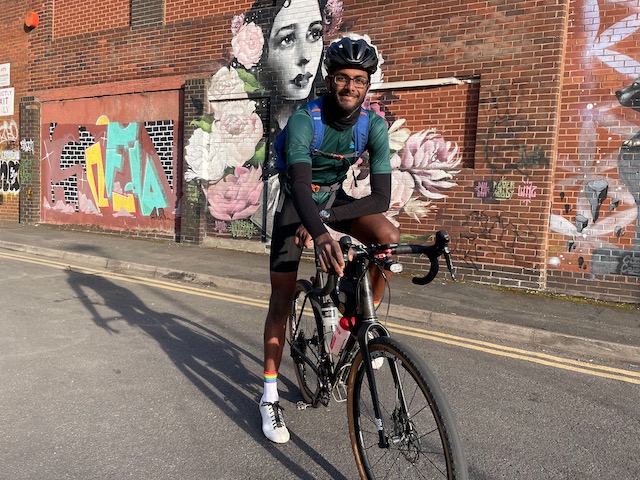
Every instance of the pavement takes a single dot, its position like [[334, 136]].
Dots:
[[582, 328]]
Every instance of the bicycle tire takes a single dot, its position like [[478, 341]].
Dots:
[[424, 443], [305, 333]]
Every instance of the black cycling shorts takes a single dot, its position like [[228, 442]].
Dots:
[[285, 254]]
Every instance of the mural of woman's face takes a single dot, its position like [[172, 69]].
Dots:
[[295, 48]]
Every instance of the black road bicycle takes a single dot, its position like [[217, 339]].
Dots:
[[400, 424]]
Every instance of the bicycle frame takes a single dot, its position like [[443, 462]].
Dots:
[[366, 323], [395, 415]]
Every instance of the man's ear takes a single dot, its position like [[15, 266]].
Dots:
[[327, 82]]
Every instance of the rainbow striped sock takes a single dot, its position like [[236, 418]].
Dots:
[[376, 303], [270, 387]]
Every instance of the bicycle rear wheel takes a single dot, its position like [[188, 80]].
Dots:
[[305, 335], [421, 436]]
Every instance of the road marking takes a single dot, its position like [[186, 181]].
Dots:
[[530, 356], [199, 291], [468, 343]]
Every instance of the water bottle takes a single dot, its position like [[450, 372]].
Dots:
[[340, 337], [329, 322]]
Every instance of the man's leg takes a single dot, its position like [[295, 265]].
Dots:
[[375, 229], [282, 287]]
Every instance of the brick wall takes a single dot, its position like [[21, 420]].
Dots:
[[192, 223], [30, 166], [15, 39], [72, 18], [535, 123]]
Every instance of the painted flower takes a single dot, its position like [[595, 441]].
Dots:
[[247, 44], [402, 186], [332, 17], [236, 24], [356, 188], [239, 128], [431, 161], [202, 157], [237, 196], [398, 136], [375, 106], [226, 83], [417, 208]]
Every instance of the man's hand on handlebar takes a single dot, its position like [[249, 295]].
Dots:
[[330, 254]]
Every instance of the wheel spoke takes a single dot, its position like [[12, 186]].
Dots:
[[422, 441]]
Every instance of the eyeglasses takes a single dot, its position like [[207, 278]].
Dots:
[[342, 80]]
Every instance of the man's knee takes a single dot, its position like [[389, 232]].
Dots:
[[389, 233], [377, 229], [283, 285]]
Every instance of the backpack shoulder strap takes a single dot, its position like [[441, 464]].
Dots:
[[315, 110], [361, 133]]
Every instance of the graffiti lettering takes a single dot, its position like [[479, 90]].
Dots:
[[482, 189], [27, 146], [630, 265], [8, 132], [498, 230], [9, 177], [504, 190], [10, 155], [528, 191], [507, 125], [121, 174], [533, 158]]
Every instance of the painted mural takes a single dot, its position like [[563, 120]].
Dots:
[[597, 193], [277, 61], [9, 158], [109, 173]]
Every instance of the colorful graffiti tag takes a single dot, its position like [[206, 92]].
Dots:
[[277, 54], [105, 169]]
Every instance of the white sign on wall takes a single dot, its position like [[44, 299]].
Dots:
[[5, 74], [6, 101]]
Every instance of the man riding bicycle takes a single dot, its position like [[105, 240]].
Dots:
[[313, 197]]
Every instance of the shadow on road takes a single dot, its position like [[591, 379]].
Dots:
[[202, 355]]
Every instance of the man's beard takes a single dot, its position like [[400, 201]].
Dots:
[[338, 116]]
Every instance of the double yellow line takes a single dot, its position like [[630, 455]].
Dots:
[[578, 366], [519, 354]]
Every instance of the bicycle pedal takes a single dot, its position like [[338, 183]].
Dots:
[[302, 405]]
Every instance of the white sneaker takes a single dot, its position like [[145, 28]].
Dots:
[[273, 425]]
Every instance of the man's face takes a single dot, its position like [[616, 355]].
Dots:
[[343, 86]]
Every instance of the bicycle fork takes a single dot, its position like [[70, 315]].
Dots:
[[369, 320]]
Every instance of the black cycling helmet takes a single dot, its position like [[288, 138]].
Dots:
[[349, 53]]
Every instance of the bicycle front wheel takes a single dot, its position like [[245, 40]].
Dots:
[[420, 436], [305, 335]]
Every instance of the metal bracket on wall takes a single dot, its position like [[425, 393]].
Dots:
[[426, 83]]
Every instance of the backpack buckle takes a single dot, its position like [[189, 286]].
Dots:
[[315, 188]]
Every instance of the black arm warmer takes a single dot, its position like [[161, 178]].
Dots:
[[300, 182], [376, 202]]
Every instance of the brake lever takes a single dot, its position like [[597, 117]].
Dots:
[[447, 257]]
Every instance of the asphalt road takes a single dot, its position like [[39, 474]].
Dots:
[[111, 376]]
